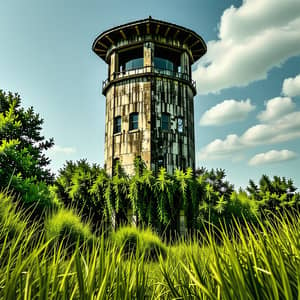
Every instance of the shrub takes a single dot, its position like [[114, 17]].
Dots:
[[133, 241], [65, 226]]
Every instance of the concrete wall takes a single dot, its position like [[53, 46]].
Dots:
[[121, 100]]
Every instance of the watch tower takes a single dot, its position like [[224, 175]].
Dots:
[[149, 94]]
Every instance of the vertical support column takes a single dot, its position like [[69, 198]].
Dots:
[[185, 64], [148, 55], [114, 65]]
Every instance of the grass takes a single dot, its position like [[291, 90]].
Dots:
[[65, 226], [134, 241], [257, 262]]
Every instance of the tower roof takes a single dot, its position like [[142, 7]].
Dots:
[[149, 26]]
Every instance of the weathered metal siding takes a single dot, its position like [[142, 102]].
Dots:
[[177, 149], [122, 99]]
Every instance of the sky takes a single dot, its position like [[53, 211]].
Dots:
[[247, 111]]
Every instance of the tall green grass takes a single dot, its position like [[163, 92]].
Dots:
[[256, 262]]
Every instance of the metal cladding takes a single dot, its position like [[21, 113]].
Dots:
[[149, 94]]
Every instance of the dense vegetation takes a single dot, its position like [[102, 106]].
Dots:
[[69, 237], [156, 201], [260, 261]]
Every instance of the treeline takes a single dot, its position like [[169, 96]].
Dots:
[[155, 200], [158, 201]]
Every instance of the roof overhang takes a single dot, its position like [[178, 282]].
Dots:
[[147, 27]]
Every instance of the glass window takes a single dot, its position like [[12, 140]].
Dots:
[[134, 64], [164, 64], [165, 121], [133, 121], [117, 124], [180, 124]]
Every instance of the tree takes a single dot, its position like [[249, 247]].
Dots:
[[216, 179], [81, 185], [275, 194], [23, 163]]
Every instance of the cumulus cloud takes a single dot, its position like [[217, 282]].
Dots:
[[281, 130], [228, 111], [291, 86], [276, 108], [253, 38], [218, 148], [63, 150], [271, 157]]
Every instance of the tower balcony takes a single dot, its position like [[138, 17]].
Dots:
[[148, 71]]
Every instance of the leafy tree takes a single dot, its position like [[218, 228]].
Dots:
[[81, 186], [216, 179], [20, 131], [274, 194], [23, 164]]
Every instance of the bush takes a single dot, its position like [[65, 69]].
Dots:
[[65, 226], [133, 241]]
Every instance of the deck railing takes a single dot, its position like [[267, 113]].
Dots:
[[149, 70]]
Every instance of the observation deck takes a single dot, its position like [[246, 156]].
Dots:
[[148, 71]]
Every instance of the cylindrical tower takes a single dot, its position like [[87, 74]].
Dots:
[[149, 94]]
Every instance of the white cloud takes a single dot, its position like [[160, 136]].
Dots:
[[291, 86], [228, 111], [63, 150], [282, 130], [276, 108], [221, 148], [253, 38], [271, 157]]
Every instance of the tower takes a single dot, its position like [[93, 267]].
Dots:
[[149, 94]]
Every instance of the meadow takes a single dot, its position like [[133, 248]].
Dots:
[[260, 261]]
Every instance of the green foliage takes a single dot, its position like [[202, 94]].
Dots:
[[141, 196], [82, 186], [216, 179], [66, 226], [11, 221], [274, 195], [156, 201], [134, 241], [260, 262], [23, 165], [167, 209]]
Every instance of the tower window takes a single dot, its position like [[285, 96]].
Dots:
[[165, 121], [133, 121], [180, 124], [117, 124], [134, 64], [164, 64]]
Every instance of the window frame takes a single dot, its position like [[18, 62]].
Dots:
[[117, 127], [133, 122], [180, 129], [162, 122]]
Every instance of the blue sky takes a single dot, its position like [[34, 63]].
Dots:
[[247, 111]]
